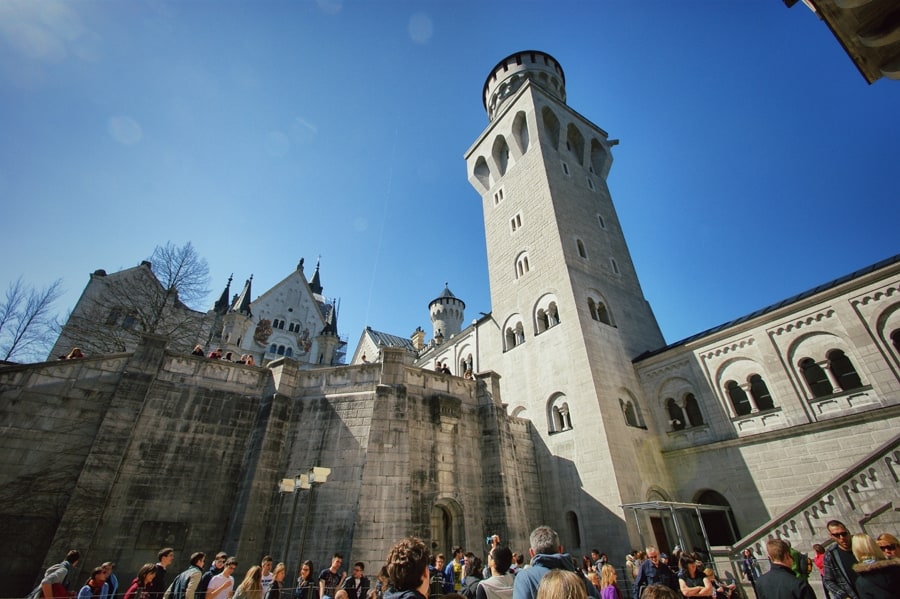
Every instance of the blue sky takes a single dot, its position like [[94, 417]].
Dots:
[[755, 162]]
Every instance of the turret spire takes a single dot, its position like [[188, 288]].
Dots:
[[221, 305], [242, 303], [316, 285]]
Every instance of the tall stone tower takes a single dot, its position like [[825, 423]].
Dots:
[[569, 311], [447, 312]]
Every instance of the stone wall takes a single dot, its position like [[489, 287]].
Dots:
[[122, 455]]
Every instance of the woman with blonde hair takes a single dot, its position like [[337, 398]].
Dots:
[[562, 584], [608, 588], [877, 576], [251, 586]]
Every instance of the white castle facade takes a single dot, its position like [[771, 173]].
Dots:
[[563, 406], [755, 415]]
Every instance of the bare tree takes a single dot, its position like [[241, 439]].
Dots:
[[116, 309], [27, 320], [183, 270]]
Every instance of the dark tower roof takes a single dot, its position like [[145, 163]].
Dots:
[[331, 322], [316, 285], [446, 294], [221, 305], [242, 303]]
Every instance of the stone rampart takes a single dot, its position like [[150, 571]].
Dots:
[[119, 456]]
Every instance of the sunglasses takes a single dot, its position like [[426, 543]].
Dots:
[[890, 547], [840, 534]]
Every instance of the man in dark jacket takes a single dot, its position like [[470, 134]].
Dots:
[[653, 571], [779, 582], [157, 587], [355, 586], [407, 569], [546, 554], [216, 568], [838, 576]]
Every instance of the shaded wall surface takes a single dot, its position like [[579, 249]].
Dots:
[[119, 456]]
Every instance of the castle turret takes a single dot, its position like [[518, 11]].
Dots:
[[328, 340], [564, 291], [237, 319], [447, 313]]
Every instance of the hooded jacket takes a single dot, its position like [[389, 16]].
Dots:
[[878, 579]]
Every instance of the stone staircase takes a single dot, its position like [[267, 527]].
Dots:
[[866, 497]]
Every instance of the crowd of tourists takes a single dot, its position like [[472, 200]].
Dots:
[[857, 567]]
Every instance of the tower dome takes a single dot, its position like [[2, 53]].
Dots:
[[511, 72], [446, 314]]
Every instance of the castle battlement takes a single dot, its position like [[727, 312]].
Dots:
[[510, 73]]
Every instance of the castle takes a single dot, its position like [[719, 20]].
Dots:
[[563, 405]]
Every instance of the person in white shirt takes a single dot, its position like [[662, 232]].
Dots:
[[267, 574], [222, 584]]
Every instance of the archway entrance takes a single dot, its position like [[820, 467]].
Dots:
[[446, 527], [721, 527]]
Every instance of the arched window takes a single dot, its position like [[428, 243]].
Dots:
[[500, 152], [632, 413], [520, 132], [482, 172], [575, 143], [603, 313], [273, 348], [551, 126], [599, 158], [676, 415], [599, 311], [522, 265], [288, 352], [573, 530], [558, 416], [280, 351], [614, 265], [843, 370], [816, 378], [510, 338], [514, 334], [692, 409], [581, 251], [760, 392], [547, 317], [739, 400]]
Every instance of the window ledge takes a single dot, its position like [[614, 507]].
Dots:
[[689, 429]]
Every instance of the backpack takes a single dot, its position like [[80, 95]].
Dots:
[[804, 565]]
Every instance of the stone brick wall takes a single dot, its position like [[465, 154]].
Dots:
[[123, 455]]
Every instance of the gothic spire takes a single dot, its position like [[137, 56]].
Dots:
[[242, 303], [221, 305], [316, 285]]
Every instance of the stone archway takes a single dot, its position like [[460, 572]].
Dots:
[[721, 527], [447, 528]]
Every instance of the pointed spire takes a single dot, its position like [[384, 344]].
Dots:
[[221, 305], [316, 285], [242, 303], [331, 322]]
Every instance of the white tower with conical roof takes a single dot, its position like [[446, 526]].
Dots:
[[447, 313]]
